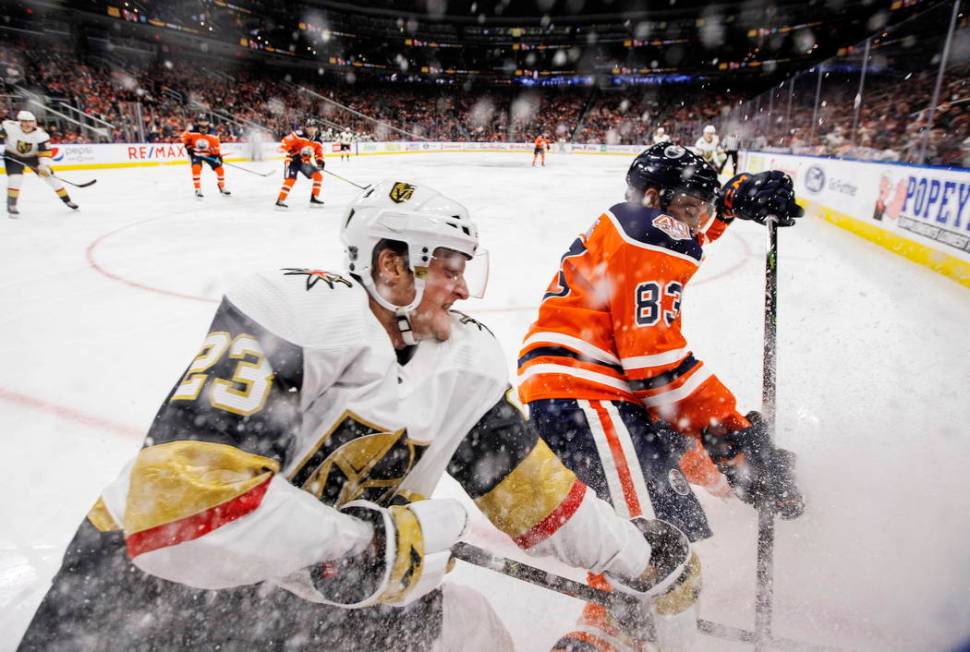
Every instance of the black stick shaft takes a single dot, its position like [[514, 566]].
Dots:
[[479, 557], [345, 179], [70, 183], [766, 521], [233, 165]]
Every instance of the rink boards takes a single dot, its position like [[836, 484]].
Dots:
[[919, 212]]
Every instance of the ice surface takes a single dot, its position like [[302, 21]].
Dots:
[[101, 310]]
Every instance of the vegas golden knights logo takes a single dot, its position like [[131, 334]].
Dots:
[[23, 147], [401, 192], [356, 459]]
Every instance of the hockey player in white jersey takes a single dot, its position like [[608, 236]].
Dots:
[[346, 141], [709, 146], [280, 500], [28, 146]]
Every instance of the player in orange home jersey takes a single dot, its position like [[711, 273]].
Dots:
[[202, 146], [304, 155], [614, 388], [540, 150]]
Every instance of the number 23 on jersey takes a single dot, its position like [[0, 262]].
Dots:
[[245, 391]]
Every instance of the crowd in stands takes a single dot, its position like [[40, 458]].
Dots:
[[155, 103]]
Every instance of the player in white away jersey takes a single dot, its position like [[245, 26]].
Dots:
[[28, 146], [281, 497], [346, 140], [709, 146]]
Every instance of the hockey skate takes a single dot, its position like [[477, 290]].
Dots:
[[198, 194], [281, 204], [224, 192], [316, 201], [12, 212]]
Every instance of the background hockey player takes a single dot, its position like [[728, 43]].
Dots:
[[346, 141], [541, 145], [280, 502], [612, 384], [660, 136], [709, 146], [203, 146], [28, 146], [304, 155]]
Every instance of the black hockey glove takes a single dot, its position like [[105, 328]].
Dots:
[[407, 558], [760, 474], [756, 196], [321, 164]]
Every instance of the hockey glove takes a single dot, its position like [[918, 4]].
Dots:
[[757, 196], [408, 556], [672, 581], [760, 474], [669, 551]]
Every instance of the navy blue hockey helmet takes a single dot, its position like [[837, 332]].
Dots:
[[671, 168]]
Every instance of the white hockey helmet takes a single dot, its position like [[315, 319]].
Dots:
[[416, 215], [709, 129], [26, 116]]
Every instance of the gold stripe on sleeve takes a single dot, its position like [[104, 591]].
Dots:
[[529, 493], [178, 479]]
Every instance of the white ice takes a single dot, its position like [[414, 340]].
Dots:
[[101, 310]]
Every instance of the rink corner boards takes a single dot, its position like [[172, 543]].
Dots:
[[942, 263]]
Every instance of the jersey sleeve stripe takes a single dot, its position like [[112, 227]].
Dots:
[[574, 343], [561, 352], [676, 394], [656, 360], [666, 377], [522, 504], [197, 525], [178, 479], [551, 523]]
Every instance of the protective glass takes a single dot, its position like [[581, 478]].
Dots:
[[456, 267]]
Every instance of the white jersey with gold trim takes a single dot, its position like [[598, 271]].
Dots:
[[24, 144]]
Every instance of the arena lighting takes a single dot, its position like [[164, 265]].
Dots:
[[653, 80]]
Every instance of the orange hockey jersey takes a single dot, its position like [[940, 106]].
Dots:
[[542, 144], [295, 144], [200, 143], [609, 325]]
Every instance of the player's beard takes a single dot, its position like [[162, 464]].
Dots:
[[431, 323]]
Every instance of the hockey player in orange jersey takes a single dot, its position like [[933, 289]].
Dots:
[[304, 155], [202, 146], [616, 391], [542, 144]]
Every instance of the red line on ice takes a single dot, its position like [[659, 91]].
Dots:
[[96, 266], [69, 414]]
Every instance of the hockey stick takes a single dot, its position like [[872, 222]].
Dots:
[[233, 165], [70, 183], [622, 606], [618, 603], [766, 522], [345, 179]]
